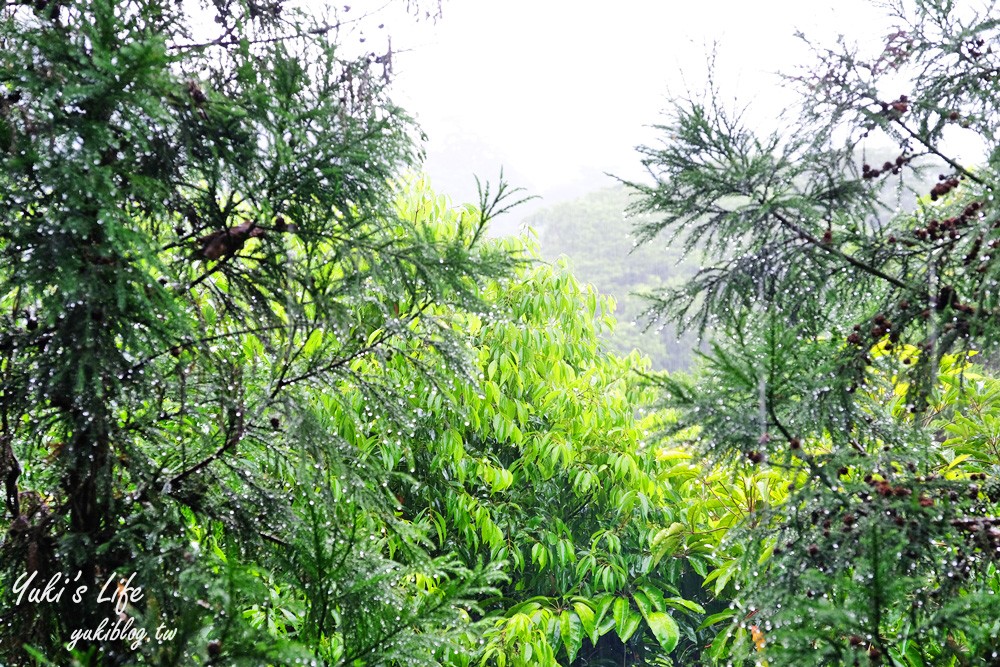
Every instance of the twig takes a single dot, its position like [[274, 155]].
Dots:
[[853, 261], [234, 434], [955, 165]]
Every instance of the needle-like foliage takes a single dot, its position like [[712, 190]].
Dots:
[[843, 295], [200, 255]]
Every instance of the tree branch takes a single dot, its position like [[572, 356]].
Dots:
[[853, 261], [234, 434]]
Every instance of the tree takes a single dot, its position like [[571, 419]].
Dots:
[[200, 242], [840, 321], [534, 462]]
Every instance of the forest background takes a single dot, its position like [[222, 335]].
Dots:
[[268, 398]]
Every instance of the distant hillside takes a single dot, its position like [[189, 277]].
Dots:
[[593, 233]]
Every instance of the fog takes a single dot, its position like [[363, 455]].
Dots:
[[559, 93]]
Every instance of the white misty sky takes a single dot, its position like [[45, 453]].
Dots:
[[561, 91]]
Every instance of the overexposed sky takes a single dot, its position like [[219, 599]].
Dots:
[[561, 91], [558, 92]]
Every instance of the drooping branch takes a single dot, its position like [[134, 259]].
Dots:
[[235, 430], [828, 248]]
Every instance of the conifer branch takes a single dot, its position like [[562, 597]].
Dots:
[[828, 248]]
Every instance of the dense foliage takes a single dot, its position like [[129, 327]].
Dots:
[[277, 407], [199, 240], [844, 331], [267, 399]]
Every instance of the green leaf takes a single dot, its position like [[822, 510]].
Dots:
[[643, 603], [571, 630], [626, 619], [957, 460], [604, 603], [664, 629], [666, 541], [718, 647], [681, 603], [606, 625], [698, 565], [655, 597], [663, 626], [587, 619], [621, 608], [912, 654], [529, 605], [716, 618]]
